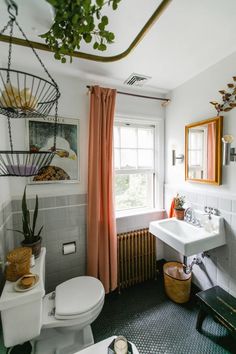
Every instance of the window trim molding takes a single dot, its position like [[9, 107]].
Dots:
[[159, 167]]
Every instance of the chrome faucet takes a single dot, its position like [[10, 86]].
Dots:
[[189, 217]]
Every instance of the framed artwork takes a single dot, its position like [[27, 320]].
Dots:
[[65, 164]]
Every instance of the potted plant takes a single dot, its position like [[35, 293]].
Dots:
[[32, 238], [179, 210], [78, 21]]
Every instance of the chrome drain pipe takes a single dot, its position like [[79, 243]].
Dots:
[[188, 268]]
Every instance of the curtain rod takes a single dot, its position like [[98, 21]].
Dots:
[[165, 100]]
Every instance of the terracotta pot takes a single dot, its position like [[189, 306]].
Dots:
[[35, 246], [179, 213]]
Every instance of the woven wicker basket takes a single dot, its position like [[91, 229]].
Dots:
[[18, 263], [177, 283]]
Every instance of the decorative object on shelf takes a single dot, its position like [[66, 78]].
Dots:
[[18, 263], [229, 154], [228, 98], [32, 239], [27, 282], [179, 210], [65, 165], [76, 21], [179, 157], [24, 95]]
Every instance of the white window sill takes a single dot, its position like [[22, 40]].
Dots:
[[133, 212]]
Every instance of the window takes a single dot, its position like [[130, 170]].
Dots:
[[134, 149]]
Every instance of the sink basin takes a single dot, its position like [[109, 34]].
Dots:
[[187, 238]]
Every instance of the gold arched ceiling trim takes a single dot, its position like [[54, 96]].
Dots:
[[155, 16]]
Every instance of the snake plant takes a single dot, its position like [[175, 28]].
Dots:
[[28, 227]]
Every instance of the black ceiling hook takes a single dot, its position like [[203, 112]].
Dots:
[[11, 6]]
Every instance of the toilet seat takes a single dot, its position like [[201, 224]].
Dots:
[[77, 296]]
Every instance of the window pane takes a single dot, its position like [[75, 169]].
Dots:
[[128, 137], [134, 191], [117, 158], [145, 159], [128, 158], [145, 138], [195, 158], [116, 137]]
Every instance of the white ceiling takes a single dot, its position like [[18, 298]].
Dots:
[[189, 37]]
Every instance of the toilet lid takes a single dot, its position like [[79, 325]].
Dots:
[[78, 295]]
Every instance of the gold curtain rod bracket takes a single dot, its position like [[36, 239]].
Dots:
[[41, 46]]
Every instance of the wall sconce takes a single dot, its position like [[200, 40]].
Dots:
[[229, 154], [175, 157]]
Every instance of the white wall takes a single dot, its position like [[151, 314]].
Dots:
[[190, 103], [74, 103]]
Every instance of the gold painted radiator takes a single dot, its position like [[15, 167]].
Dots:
[[136, 257]]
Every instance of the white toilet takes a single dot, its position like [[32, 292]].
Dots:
[[56, 323]]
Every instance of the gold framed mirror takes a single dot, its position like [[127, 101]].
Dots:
[[203, 156]]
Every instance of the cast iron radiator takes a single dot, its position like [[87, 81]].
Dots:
[[136, 257]]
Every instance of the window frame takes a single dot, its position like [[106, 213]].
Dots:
[[158, 185]]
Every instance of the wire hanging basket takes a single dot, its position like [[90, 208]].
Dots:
[[24, 163], [25, 95]]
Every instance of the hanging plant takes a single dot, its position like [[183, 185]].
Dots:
[[228, 98], [77, 21]]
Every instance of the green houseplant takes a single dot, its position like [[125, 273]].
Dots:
[[179, 209], [78, 21], [32, 238]]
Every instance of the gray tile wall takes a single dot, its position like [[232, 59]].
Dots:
[[220, 268], [64, 220]]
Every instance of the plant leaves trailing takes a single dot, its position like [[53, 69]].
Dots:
[[77, 21], [28, 231], [228, 98]]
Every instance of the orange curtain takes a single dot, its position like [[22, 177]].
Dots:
[[211, 150], [101, 229], [172, 209]]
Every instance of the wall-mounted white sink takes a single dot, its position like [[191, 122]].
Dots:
[[187, 238]]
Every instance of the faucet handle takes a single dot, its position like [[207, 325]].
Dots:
[[215, 212], [211, 211], [208, 211]]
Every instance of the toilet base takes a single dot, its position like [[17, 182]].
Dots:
[[57, 341]]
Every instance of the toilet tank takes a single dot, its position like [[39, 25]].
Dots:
[[21, 312]]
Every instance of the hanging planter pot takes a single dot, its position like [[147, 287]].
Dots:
[[23, 95]]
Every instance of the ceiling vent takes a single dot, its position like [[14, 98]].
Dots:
[[137, 80]]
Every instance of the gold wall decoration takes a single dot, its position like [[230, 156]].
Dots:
[[228, 98]]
